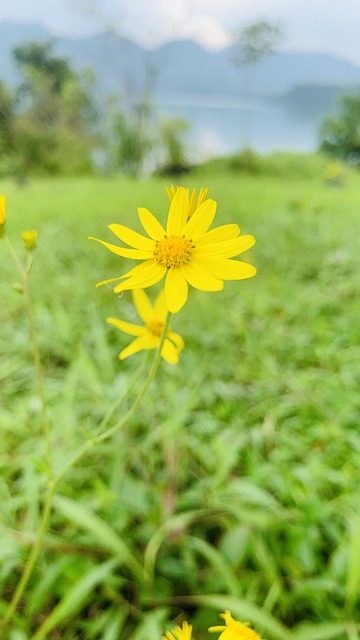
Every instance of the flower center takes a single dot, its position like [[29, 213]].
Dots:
[[155, 327], [173, 251]]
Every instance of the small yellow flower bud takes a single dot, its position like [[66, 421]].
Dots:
[[30, 239], [2, 215]]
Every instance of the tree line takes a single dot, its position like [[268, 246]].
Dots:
[[52, 124]]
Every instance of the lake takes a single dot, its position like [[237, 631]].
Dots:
[[219, 126]]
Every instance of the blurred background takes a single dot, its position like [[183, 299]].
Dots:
[[136, 88], [236, 484]]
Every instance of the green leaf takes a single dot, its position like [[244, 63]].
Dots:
[[45, 584], [83, 517], [217, 560], [75, 598], [353, 567], [322, 631], [176, 523], [152, 626]]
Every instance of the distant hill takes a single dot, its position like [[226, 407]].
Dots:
[[312, 99], [181, 67]]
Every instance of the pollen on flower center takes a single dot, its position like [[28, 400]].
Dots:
[[155, 327], [173, 251]]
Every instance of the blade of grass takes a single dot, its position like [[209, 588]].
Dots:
[[75, 597], [322, 631], [83, 517], [353, 567]]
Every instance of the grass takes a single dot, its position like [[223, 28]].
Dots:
[[236, 484]]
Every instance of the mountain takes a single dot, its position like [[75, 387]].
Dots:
[[179, 67]]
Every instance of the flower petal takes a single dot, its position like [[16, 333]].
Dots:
[[201, 220], [170, 192], [127, 327], [136, 345], [227, 269], [100, 284], [178, 212], [135, 254], [227, 248], [132, 238], [169, 352], [176, 289], [177, 340], [149, 275], [139, 269], [2, 209], [200, 278], [143, 305], [160, 307], [151, 225], [219, 234]]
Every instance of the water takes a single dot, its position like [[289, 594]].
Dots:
[[219, 126]]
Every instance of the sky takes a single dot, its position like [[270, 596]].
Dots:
[[329, 26]]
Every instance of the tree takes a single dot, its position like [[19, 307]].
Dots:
[[7, 130], [256, 42], [172, 132], [55, 115], [340, 136], [253, 43], [131, 140]]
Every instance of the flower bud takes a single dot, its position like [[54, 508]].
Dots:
[[30, 239]]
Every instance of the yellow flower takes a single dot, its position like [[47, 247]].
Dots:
[[234, 630], [2, 215], [179, 633], [30, 239], [193, 203], [332, 171], [186, 252], [148, 336]]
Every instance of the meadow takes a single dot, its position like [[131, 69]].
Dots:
[[236, 484]]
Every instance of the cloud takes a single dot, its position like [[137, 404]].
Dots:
[[309, 24], [206, 30]]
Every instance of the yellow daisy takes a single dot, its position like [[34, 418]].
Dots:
[[179, 633], [186, 252], [234, 630], [149, 335]]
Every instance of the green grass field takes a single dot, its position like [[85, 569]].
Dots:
[[236, 484]]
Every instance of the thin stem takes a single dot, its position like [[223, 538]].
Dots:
[[118, 425], [38, 367], [121, 396], [31, 561], [25, 273], [35, 552], [155, 365], [14, 256]]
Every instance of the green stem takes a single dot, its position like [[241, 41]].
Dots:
[[31, 561], [118, 425], [14, 256], [155, 365], [121, 396], [35, 552], [38, 367], [25, 274]]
